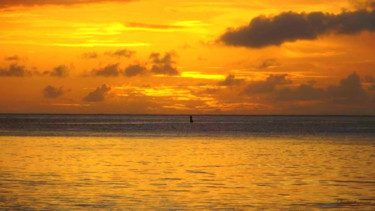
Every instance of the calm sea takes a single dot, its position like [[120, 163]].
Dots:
[[149, 162]]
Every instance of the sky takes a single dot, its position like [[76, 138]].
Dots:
[[187, 57]]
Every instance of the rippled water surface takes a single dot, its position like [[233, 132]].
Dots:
[[120, 162], [68, 173]]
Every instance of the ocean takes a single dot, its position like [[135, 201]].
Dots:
[[164, 162]]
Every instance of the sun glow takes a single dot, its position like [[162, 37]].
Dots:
[[125, 55]]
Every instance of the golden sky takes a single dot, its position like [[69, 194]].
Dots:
[[187, 57]]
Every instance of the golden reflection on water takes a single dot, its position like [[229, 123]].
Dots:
[[185, 173]]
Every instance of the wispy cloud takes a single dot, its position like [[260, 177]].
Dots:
[[11, 3], [90, 55], [121, 53], [12, 58], [136, 25]]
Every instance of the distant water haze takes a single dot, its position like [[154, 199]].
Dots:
[[120, 162], [180, 126]]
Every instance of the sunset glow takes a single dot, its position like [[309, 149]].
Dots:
[[187, 57]]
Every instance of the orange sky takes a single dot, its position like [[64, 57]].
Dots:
[[180, 57]]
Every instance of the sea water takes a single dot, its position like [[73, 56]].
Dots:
[[120, 162]]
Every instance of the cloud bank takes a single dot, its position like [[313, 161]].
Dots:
[[348, 91], [268, 85], [277, 88], [290, 26]]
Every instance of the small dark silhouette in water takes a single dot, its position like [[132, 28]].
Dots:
[[191, 119]]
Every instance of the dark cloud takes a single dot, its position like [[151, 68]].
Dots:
[[158, 64], [231, 80], [121, 53], [290, 26], [111, 70], [163, 65], [52, 92], [348, 91], [98, 95], [267, 86], [14, 70], [59, 71], [124, 53], [11, 3], [268, 63], [90, 55], [21, 71], [12, 58], [133, 70]]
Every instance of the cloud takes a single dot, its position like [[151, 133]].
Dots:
[[363, 4], [121, 53], [304, 92], [59, 71], [268, 63], [158, 64], [268, 85], [52, 92], [90, 55], [231, 80], [14, 70], [348, 91], [163, 65], [111, 70], [290, 26], [369, 79], [12, 58], [133, 70], [98, 95], [11, 3]]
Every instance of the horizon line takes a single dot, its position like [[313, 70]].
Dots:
[[188, 114]]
